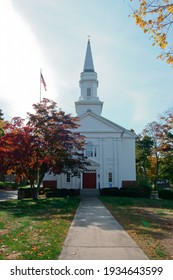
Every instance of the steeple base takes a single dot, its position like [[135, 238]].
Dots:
[[83, 106]]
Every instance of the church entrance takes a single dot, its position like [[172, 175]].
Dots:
[[89, 179]]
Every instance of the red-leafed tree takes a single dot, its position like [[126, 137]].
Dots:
[[18, 150], [47, 143]]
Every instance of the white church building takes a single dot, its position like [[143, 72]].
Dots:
[[110, 148]]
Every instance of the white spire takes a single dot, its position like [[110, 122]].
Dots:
[[88, 64], [88, 100]]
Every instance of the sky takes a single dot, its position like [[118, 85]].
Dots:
[[52, 35]]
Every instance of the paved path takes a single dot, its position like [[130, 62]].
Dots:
[[96, 235], [7, 195]]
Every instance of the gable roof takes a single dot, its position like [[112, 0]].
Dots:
[[91, 122]]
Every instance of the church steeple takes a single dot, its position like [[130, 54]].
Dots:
[[88, 100], [88, 64]]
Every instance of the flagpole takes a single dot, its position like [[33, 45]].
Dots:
[[38, 173], [40, 84], [42, 81]]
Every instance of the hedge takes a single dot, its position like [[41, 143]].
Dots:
[[26, 192], [165, 194], [126, 192], [109, 191], [62, 192]]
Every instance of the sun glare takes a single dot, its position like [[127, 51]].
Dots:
[[21, 59]]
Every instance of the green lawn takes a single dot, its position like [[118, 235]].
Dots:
[[31, 230], [148, 221]]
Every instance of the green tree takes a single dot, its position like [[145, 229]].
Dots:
[[1, 115], [166, 168], [166, 145], [166, 131], [159, 159], [152, 131], [144, 146]]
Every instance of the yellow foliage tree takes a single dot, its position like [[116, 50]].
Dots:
[[2, 125], [155, 17]]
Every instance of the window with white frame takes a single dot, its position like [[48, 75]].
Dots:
[[68, 178], [110, 177], [91, 150]]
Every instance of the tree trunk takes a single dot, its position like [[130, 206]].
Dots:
[[33, 191], [157, 172], [40, 179]]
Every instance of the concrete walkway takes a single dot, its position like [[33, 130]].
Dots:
[[96, 235]]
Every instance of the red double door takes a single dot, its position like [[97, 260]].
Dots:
[[89, 180]]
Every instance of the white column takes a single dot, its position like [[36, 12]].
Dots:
[[115, 163], [101, 161], [119, 163], [81, 181]]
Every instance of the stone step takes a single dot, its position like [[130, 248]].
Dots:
[[89, 192], [154, 195]]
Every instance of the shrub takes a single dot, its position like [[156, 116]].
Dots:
[[62, 192], [133, 192], [145, 185], [163, 185], [125, 192], [25, 193], [129, 184], [165, 194], [109, 191], [56, 193], [74, 192]]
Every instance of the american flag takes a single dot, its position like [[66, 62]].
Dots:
[[43, 81]]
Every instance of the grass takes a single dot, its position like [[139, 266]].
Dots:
[[31, 230], [36, 230], [149, 222]]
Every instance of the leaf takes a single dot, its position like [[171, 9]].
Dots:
[[34, 248], [170, 9], [156, 18]]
